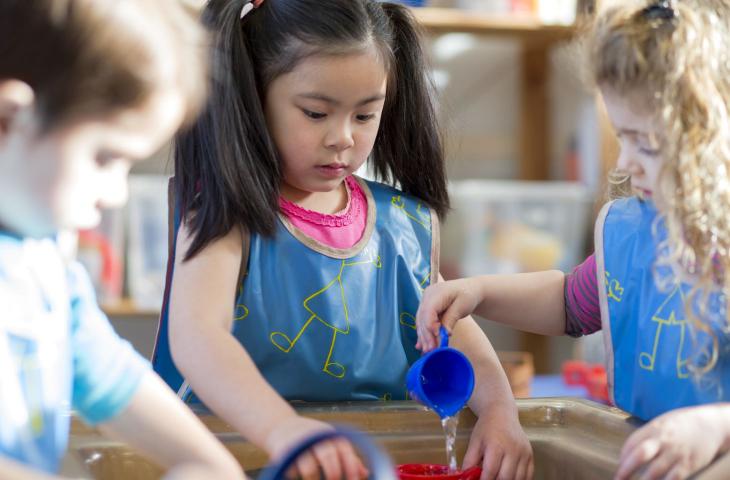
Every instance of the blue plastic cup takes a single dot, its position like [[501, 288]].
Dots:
[[442, 380]]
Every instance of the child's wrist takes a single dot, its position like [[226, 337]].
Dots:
[[497, 409], [481, 286], [273, 437], [723, 412], [494, 401]]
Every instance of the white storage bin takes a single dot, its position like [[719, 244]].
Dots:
[[513, 226], [147, 234]]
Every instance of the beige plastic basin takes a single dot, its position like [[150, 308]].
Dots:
[[571, 439]]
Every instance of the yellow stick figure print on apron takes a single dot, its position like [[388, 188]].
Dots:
[[333, 294], [668, 315]]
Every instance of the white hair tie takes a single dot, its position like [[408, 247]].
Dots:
[[250, 6]]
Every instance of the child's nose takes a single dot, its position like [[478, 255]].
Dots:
[[340, 137], [627, 161]]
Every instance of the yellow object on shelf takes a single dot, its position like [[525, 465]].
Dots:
[[529, 248]]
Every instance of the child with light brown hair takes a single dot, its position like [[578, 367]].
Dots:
[[658, 280], [87, 88]]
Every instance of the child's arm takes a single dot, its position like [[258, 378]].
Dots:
[[114, 388], [677, 444], [497, 442], [533, 302], [158, 424], [220, 370]]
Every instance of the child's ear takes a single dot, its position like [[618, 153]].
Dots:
[[15, 97]]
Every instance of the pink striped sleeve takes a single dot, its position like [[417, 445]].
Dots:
[[582, 308]]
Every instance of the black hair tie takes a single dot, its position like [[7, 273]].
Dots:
[[661, 10]]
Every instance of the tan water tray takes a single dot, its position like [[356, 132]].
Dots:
[[571, 439]]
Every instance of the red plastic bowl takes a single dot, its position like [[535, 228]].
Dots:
[[422, 471]]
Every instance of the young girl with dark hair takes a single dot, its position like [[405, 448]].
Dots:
[[293, 278]]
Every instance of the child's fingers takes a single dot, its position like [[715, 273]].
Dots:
[[521, 473], [328, 458], [633, 441], [508, 467], [364, 472], [473, 455], [307, 466], [659, 467], [428, 341], [453, 314], [643, 453], [491, 464], [426, 319], [523, 468], [433, 340], [354, 469], [423, 337], [428, 323], [679, 472]]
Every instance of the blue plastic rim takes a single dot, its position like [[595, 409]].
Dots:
[[442, 380], [378, 462]]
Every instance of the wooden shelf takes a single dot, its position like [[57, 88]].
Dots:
[[447, 20], [127, 308]]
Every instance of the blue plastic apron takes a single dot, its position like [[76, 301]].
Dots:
[[327, 324], [648, 338]]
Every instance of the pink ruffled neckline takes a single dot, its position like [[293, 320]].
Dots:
[[340, 219]]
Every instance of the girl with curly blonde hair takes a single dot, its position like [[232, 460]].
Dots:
[[656, 284]]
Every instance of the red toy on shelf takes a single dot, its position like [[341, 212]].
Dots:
[[591, 376]]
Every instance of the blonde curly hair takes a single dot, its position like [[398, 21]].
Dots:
[[675, 55]]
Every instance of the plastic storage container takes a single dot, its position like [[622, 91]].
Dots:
[[147, 233], [513, 226]]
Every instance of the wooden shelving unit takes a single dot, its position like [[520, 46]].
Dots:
[[446, 20], [536, 39], [126, 308]]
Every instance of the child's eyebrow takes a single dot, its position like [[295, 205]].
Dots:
[[637, 134], [324, 98], [644, 138]]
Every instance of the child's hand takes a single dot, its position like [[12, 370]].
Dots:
[[499, 445], [444, 303], [677, 444], [336, 458]]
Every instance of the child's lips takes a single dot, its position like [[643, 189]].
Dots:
[[332, 170], [643, 192]]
